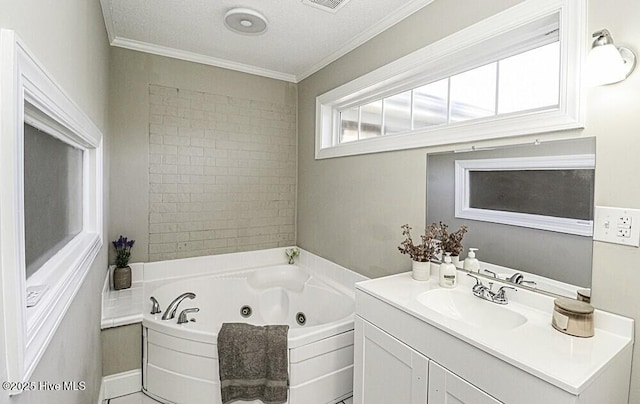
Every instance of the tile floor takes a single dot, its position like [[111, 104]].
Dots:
[[139, 398]]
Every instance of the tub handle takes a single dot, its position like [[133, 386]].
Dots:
[[155, 306], [182, 318]]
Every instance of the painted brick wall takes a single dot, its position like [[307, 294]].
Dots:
[[222, 174]]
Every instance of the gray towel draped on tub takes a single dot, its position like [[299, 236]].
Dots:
[[253, 362]]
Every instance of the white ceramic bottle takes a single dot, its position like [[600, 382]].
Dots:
[[471, 263], [448, 273]]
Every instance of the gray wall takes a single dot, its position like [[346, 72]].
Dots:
[[561, 256], [132, 73], [121, 349], [350, 209], [69, 39]]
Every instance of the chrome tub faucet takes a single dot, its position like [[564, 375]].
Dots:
[[183, 318], [170, 313]]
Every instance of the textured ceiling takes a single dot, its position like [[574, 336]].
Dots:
[[299, 41]]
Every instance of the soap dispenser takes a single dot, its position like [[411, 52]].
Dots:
[[471, 263], [448, 273]]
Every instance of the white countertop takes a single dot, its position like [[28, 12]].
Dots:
[[570, 363]]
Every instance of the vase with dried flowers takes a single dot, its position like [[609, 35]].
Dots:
[[450, 242], [122, 272], [420, 253]]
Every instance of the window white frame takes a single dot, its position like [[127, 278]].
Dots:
[[557, 224], [464, 50], [29, 94]]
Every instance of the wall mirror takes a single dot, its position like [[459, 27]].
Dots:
[[528, 208]]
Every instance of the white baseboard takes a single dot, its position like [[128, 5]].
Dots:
[[101, 393], [121, 384]]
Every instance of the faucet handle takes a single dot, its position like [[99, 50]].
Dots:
[[500, 297], [155, 306], [490, 272], [182, 318], [478, 282]]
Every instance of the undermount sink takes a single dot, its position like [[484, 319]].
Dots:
[[467, 308]]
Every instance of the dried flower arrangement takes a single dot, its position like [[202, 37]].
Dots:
[[425, 250], [123, 251], [449, 242]]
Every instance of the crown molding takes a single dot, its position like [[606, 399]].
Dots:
[[199, 58], [392, 19]]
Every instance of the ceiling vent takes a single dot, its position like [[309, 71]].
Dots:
[[331, 6]]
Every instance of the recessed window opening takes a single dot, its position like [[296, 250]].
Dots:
[[50, 205]]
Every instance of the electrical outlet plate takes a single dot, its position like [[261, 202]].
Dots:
[[617, 225]]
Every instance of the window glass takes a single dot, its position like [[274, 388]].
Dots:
[[397, 113], [52, 196], [430, 104], [557, 193], [473, 93], [530, 80], [371, 120], [349, 125]]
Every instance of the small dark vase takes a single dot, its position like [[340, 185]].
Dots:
[[122, 278]]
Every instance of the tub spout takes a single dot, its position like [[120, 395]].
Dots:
[[170, 312], [292, 253]]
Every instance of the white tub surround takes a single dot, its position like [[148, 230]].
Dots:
[[320, 351], [122, 307], [483, 352]]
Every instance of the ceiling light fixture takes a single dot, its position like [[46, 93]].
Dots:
[[245, 21], [607, 63]]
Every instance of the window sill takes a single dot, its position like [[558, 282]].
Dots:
[[494, 128]]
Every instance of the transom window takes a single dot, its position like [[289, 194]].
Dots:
[[528, 81], [515, 73]]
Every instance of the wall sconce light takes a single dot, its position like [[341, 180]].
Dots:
[[607, 63]]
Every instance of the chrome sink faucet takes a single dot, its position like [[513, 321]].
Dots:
[[170, 312], [487, 293], [519, 279]]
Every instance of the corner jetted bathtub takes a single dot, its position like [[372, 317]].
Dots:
[[180, 363]]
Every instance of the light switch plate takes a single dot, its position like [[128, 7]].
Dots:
[[617, 225]]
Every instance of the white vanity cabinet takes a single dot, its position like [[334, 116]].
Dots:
[[387, 370], [447, 388], [409, 353]]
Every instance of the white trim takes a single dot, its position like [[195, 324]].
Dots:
[[199, 58], [23, 80], [426, 65], [390, 20], [101, 393], [121, 384], [557, 224], [107, 13]]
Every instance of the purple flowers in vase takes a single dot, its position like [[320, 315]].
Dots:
[[123, 251], [122, 273]]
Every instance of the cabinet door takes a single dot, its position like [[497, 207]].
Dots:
[[386, 370], [447, 388]]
